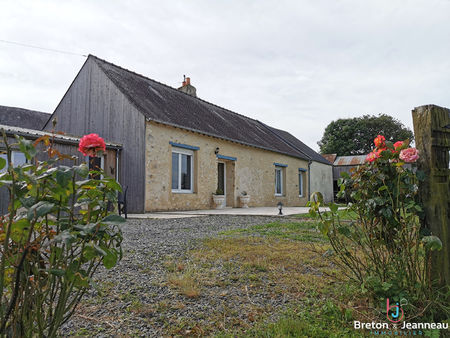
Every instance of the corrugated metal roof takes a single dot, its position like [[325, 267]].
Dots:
[[38, 133], [349, 160], [330, 157]]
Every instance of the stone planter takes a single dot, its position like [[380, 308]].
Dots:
[[244, 201], [219, 201]]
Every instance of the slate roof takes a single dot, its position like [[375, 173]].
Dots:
[[161, 103], [23, 118], [295, 142]]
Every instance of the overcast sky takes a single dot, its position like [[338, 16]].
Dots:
[[295, 65]]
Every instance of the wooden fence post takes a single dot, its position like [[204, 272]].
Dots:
[[432, 136]]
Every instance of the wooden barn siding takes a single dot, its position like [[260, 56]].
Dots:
[[68, 149], [93, 104], [337, 170]]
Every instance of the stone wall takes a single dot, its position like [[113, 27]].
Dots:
[[253, 171]]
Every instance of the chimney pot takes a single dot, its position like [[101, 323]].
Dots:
[[187, 87]]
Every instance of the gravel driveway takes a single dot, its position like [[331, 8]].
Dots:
[[140, 278]]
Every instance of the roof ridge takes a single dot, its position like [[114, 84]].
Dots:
[[172, 88], [21, 108]]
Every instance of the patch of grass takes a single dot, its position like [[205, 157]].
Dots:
[[314, 318], [344, 215], [284, 285], [298, 231], [290, 264]]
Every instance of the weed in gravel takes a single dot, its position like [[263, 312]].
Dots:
[[139, 308], [185, 283], [162, 307]]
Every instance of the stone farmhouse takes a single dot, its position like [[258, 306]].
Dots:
[[178, 149], [174, 150]]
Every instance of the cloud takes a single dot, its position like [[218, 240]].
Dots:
[[296, 65]]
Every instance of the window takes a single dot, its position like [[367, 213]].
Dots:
[[182, 170], [300, 183], [96, 163], [6, 166], [18, 159], [278, 181]]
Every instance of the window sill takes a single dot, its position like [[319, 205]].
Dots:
[[279, 195], [182, 192]]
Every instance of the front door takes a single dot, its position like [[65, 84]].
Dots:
[[221, 180]]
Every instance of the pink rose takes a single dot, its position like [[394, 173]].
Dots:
[[90, 144], [409, 155], [372, 156]]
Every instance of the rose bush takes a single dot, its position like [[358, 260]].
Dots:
[[384, 249], [57, 231]]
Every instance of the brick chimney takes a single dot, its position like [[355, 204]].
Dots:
[[187, 87]]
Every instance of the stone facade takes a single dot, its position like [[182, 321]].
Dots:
[[253, 171]]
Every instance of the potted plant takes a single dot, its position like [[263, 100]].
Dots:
[[219, 198], [245, 199]]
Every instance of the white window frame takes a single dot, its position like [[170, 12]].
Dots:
[[281, 181], [102, 163], [181, 151], [5, 168], [300, 183]]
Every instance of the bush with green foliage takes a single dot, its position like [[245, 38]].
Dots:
[[56, 233], [353, 136], [385, 249]]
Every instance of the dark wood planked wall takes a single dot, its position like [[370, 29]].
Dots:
[[93, 104], [67, 149]]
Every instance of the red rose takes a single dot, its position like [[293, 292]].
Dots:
[[379, 141], [90, 144], [379, 151], [398, 144]]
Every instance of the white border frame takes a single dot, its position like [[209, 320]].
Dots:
[[281, 181], [300, 182], [181, 151], [224, 180]]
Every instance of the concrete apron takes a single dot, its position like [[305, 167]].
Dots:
[[257, 211]]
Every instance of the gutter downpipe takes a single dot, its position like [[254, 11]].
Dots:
[[117, 165], [309, 180]]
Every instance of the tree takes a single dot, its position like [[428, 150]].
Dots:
[[354, 136]]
